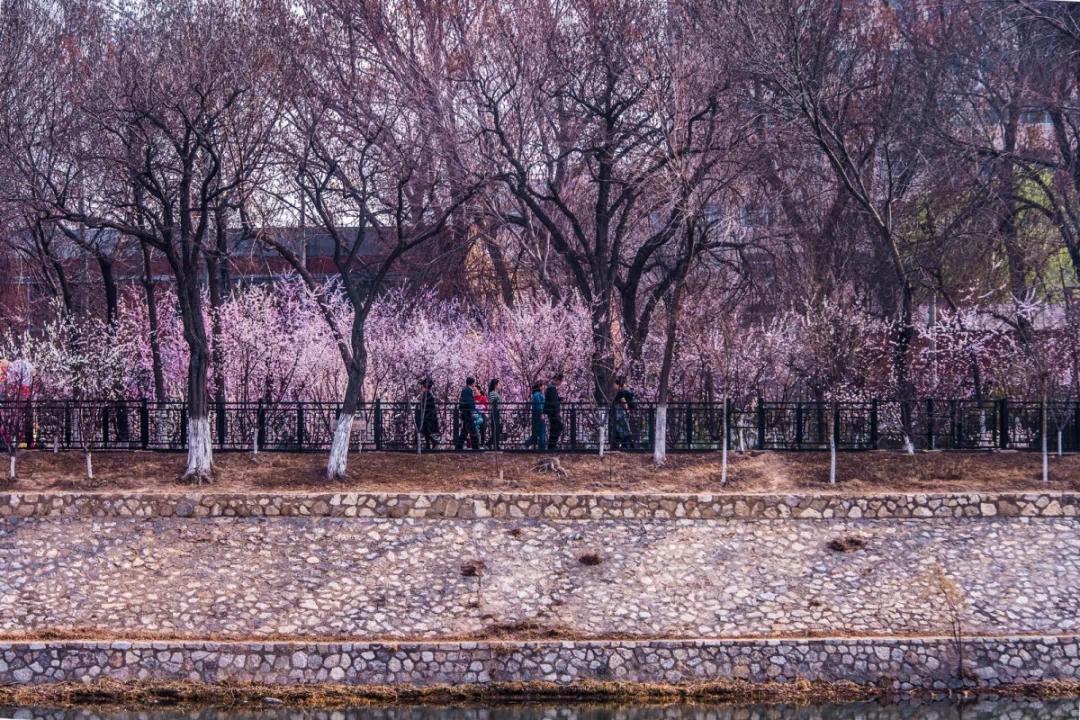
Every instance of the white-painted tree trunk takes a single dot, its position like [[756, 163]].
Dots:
[[1059, 443], [601, 415], [11, 467], [56, 444], [660, 444], [909, 446], [255, 442], [1045, 443], [832, 457], [89, 466], [419, 426], [723, 445], [200, 457], [339, 450]]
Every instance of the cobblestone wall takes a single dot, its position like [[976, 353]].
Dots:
[[549, 506], [903, 664]]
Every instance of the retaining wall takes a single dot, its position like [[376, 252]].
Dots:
[[548, 506], [902, 664]]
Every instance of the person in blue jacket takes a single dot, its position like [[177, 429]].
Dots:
[[538, 439], [466, 408]]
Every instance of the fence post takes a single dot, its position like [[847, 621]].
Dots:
[[689, 427], [873, 423], [104, 427], [955, 434], [573, 428], [455, 423], [836, 423], [183, 426], [652, 427], [760, 422], [28, 424], [219, 409], [67, 424], [144, 424], [1003, 419], [798, 424], [378, 424], [929, 424], [300, 426], [1076, 428], [260, 425], [729, 415]]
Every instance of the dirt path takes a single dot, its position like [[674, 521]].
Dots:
[[775, 472]]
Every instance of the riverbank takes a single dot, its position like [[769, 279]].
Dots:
[[381, 592]]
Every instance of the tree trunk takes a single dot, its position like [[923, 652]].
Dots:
[[660, 443], [11, 465], [152, 318], [672, 325], [902, 339], [200, 454], [603, 357], [1045, 441], [89, 467], [339, 450], [832, 443], [602, 428], [724, 444], [108, 279], [66, 295], [215, 282], [357, 371]]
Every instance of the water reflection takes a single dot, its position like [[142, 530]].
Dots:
[[982, 709]]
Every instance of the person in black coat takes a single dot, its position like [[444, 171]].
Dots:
[[466, 408], [622, 407], [553, 410], [427, 415]]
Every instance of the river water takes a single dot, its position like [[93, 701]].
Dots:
[[980, 709]]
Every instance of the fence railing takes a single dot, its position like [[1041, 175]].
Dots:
[[395, 426]]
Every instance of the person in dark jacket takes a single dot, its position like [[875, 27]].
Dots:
[[623, 413], [553, 410], [466, 410], [427, 415], [538, 438], [494, 414]]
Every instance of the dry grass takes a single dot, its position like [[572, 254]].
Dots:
[[136, 694], [753, 472]]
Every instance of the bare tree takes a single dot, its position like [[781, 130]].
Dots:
[[169, 116], [361, 149]]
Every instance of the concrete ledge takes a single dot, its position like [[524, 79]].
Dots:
[[902, 664], [549, 506]]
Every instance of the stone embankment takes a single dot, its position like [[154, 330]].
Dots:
[[907, 664], [916, 592], [547, 506]]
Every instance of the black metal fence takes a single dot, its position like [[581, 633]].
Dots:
[[393, 426]]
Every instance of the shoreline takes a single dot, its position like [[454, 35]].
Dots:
[[803, 692]]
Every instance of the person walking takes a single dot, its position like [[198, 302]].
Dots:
[[623, 408], [553, 410], [538, 438], [480, 417], [494, 411], [427, 415], [466, 409]]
